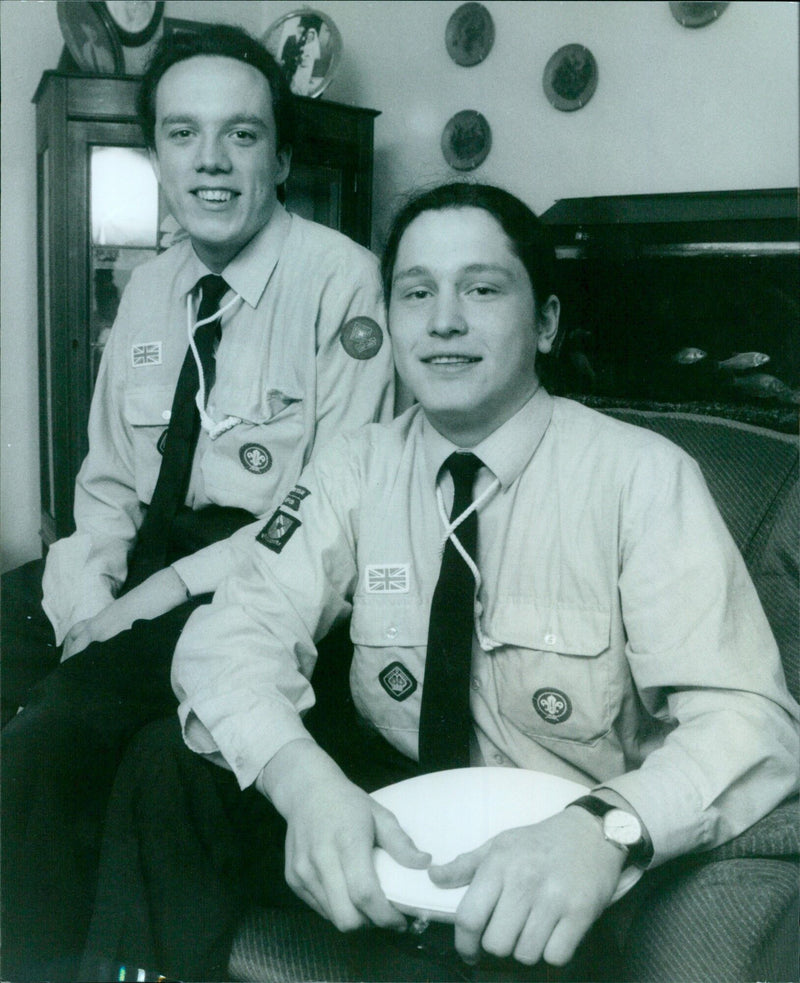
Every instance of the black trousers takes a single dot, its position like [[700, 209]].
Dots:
[[60, 754], [28, 650]]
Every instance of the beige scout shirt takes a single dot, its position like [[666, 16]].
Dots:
[[625, 643], [287, 375]]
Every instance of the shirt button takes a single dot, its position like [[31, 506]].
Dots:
[[166, 414], [476, 683], [550, 639], [391, 632], [499, 759]]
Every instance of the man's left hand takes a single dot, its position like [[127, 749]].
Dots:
[[534, 891]]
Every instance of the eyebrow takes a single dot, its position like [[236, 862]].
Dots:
[[414, 271]]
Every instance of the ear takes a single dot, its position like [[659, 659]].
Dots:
[[154, 163], [547, 324], [284, 158]]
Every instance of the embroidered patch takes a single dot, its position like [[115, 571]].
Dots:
[[397, 681], [278, 531], [255, 458], [552, 705], [295, 497], [162, 442], [362, 337], [386, 579], [147, 353]]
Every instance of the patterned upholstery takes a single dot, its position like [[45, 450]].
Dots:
[[753, 475]]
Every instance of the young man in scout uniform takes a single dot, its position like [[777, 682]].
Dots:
[[235, 356], [532, 584]]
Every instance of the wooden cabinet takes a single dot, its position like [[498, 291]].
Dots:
[[100, 214]]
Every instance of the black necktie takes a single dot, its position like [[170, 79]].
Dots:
[[184, 428], [445, 721]]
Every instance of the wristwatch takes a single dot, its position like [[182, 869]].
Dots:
[[620, 828]]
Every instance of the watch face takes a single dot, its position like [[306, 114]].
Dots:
[[622, 827]]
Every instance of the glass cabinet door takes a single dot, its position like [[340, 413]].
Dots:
[[124, 222]]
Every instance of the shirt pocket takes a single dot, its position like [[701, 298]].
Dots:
[[261, 456], [147, 414], [389, 635], [554, 674]]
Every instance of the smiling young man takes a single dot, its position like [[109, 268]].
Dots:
[[294, 352], [587, 615]]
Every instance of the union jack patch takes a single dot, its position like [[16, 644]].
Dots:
[[386, 579], [148, 353]]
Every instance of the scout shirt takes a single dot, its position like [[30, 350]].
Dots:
[[303, 355], [620, 639]]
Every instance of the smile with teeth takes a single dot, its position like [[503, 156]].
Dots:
[[214, 194], [450, 359]]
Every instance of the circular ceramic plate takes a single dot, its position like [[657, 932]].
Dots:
[[135, 21], [451, 812], [696, 13], [570, 77], [466, 140], [89, 35], [307, 45], [469, 35]]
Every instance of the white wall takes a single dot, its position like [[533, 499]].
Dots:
[[675, 110]]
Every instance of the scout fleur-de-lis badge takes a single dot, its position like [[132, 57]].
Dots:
[[552, 705]]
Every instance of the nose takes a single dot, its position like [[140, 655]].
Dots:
[[211, 156], [446, 318]]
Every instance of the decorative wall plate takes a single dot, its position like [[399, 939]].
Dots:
[[570, 77], [469, 35], [466, 140], [696, 13], [307, 45], [89, 34], [135, 21]]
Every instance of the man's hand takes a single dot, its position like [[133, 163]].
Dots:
[[333, 827], [160, 593], [535, 890]]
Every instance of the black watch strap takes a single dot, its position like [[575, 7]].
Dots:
[[639, 854]]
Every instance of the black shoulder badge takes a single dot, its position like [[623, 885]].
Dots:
[[295, 497], [362, 337], [278, 531]]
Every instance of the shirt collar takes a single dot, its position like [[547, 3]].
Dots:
[[249, 271], [507, 450]]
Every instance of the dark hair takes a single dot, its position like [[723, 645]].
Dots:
[[226, 41], [529, 238]]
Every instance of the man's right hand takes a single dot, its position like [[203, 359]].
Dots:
[[333, 827]]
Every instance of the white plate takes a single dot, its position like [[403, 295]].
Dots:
[[450, 812]]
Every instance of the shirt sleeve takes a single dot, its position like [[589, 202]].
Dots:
[[704, 663], [84, 571], [355, 372], [242, 666]]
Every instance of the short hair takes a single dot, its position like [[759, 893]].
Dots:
[[216, 40], [529, 238]]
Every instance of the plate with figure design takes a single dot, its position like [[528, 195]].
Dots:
[[570, 77]]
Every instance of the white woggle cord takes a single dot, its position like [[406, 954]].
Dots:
[[213, 430], [486, 643]]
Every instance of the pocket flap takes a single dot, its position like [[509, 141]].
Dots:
[[563, 628], [149, 407], [389, 621]]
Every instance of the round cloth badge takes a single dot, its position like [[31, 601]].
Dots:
[[255, 458], [362, 337], [552, 705]]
